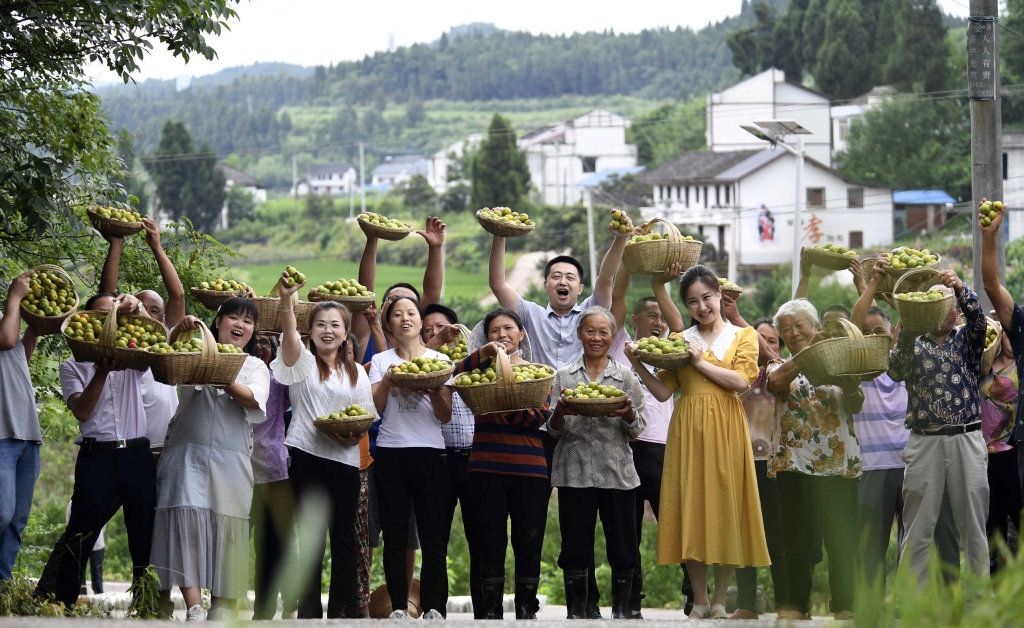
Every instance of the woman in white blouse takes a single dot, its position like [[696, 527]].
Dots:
[[325, 469]]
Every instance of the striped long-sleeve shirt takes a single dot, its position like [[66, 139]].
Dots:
[[507, 443]]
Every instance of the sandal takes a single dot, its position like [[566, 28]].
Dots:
[[718, 611], [700, 611]]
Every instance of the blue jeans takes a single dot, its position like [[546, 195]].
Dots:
[[19, 468]]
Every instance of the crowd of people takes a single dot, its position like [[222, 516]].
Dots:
[[745, 462]]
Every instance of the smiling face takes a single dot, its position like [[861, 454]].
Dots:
[[327, 331], [433, 324], [649, 322], [235, 329], [797, 332], [770, 336], [875, 325], [595, 332], [704, 302], [504, 331], [403, 318], [564, 286]]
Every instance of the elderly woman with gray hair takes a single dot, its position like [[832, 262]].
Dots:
[[816, 464], [593, 467]]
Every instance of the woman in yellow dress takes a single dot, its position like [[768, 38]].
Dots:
[[710, 512]]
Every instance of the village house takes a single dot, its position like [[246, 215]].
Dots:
[[327, 180], [441, 165], [398, 169]]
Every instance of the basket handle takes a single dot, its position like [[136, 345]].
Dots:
[[506, 377], [207, 355], [914, 278], [673, 232], [109, 334], [852, 331]]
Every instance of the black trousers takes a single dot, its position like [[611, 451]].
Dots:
[[578, 509], [270, 519], [416, 476], [337, 485], [96, 570], [746, 577], [105, 480], [1004, 503], [459, 493], [524, 501]]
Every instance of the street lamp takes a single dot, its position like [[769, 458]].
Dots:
[[772, 131]]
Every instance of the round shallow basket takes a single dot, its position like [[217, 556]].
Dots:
[[652, 257], [269, 309], [921, 317], [47, 325], [83, 350], [595, 407], [988, 356], [502, 228], [354, 303], [111, 227], [664, 360], [885, 287], [899, 272], [733, 293], [384, 233], [345, 426], [422, 381], [137, 359], [213, 299], [851, 354], [829, 259], [505, 394]]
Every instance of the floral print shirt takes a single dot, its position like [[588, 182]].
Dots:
[[815, 433]]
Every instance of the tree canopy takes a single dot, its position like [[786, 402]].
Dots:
[[188, 183], [498, 171]]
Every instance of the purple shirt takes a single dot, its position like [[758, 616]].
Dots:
[[269, 455]]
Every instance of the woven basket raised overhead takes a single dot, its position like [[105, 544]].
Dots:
[[502, 228], [105, 346], [110, 226], [847, 353], [345, 426], [652, 257], [921, 317], [213, 299], [991, 351], [505, 394], [46, 325], [269, 310], [422, 381], [384, 233], [829, 259], [885, 286], [354, 303], [595, 407], [899, 272]]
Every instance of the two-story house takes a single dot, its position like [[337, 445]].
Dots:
[[328, 179], [399, 169]]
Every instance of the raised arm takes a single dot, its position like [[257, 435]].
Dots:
[[111, 265], [367, 276], [506, 295], [174, 309], [291, 341], [619, 308], [805, 275], [433, 276], [1000, 297], [10, 324], [610, 263], [668, 307], [867, 297]]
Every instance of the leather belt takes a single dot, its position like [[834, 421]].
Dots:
[[459, 451], [949, 430], [91, 443]]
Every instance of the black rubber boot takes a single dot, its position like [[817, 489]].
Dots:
[[526, 598], [622, 585], [575, 593], [492, 594], [593, 609]]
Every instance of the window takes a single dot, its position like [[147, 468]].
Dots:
[[816, 197], [589, 164], [855, 197], [844, 129], [856, 239]]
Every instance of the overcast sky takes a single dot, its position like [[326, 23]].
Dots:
[[318, 32]]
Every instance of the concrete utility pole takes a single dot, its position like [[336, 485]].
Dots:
[[986, 127], [362, 177]]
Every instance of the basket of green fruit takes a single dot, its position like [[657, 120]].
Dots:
[[664, 353], [382, 227], [504, 222], [353, 294], [114, 221], [458, 348], [51, 299], [184, 359], [905, 259], [831, 256], [885, 286], [269, 308], [992, 344], [651, 252], [730, 289], [213, 294], [841, 350], [421, 373], [95, 335], [352, 421], [922, 309], [593, 399], [503, 387]]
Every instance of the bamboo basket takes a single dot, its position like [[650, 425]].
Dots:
[[989, 355], [269, 314], [213, 299], [502, 228], [174, 369], [384, 233], [664, 360], [595, 407], [83, 350], [345, 426], [920, 317], [354, 303], [885, 287], [899, 272], [829, 259], [734, 293], [505, 394], [105, 345], [422, 381], [851, 354], [111, 227], [652, 257], [47, 325]]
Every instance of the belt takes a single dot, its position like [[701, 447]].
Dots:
[[91, 443], [458, 451], [949, 430]]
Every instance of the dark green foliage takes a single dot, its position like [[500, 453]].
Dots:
[[498, 172], [839, 69], [919, 57], [669, 130], [417, 193], [188, 184]]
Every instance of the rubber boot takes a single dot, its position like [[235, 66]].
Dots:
[[636, 594], [622, 585], [575, 593], [593, 609], [526, 598], [492, 595]]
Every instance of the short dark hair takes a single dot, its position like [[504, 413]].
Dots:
[[836, 307], [642, 303], [437, 308], [502, 311], [408, 286], [877, 311], [563, 259], [96, 297]]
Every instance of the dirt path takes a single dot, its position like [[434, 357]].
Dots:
[[524, 274]]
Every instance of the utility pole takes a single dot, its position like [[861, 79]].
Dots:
[[986, 127], [362, 176], [295, 188]]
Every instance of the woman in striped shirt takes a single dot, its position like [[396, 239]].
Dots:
[[508, 479]]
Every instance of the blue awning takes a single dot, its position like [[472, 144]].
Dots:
[[922, 197]]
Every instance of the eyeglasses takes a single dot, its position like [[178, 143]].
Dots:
[[263, 342]]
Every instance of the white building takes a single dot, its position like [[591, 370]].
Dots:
[[1013, 182], [399, 169], [559, 155], [844, 115], [768, 96], [437, 168], [328, 179], [743, 202]]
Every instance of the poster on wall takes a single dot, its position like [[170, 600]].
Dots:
[[765, 224]]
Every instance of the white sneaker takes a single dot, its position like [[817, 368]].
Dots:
[[433, 614], [399, 614], [196, 613]]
